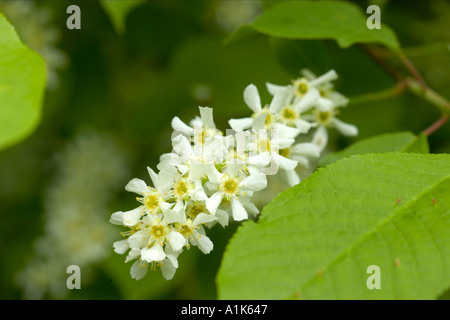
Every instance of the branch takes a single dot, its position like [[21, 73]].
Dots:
[[380, 95], [415, 85], [436, 125], [412, 69], [429, 94]]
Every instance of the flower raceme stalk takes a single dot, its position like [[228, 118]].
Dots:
[[210, 177]]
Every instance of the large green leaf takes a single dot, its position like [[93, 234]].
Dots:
[[338, 20], [316, 240], [22, 86], [388, 142], [118, 11]]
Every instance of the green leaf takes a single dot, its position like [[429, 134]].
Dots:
[[22, 86], [388, 142], [338, 20], [118, 12], [316, 240]]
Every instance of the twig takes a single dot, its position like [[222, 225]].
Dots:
[[415, 85], [379, 57], [412, 69], [380, 95], [436, 125], [428, 94]]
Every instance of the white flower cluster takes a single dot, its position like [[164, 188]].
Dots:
[[90, 169], [210, 177]]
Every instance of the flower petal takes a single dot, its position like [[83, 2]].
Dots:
[[165, 181], [133, 254], [117, 218], [303, 125], [204, 244], [254, 182], [279, 100], [182, 127], [204, 218], [251, 208], [168, 270], [120, 246], [259, 122], [153, 176], [260, 160], [137, 240], [177, 214], [327, 77], [290, 177], [285, 131], [137, 271], [137, 186], [283, 162], [213, 174], [308, 149], [273, 88], [307, 101], [176, 240], [130, 218], [213, 202], [155, 253], [206, 115], [222, 217], [240, 124], [324, 104], [320, 137], [181, 145], [165, 165], [252, 99], [346, 129], [238, 210]]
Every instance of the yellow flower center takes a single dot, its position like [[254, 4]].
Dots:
[[289, 115], [158, 231], [187, 229], [264, 145], [230, 185], [285, 152], [324, 117], [152, 201], [269, 116], [181, 188], [195, 209], [201, 135], [302, 87]]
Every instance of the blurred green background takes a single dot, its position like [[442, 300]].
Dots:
[[121, 91]]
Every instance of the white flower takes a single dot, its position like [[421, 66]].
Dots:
[[271, 142], [304, 86], [192, 161], [279, 107], [168, 266], [301, 153], [201, 127], [231, 188], [153, 199], [327, 119], [191, 228]]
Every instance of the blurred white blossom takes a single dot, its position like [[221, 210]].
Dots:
[[76, 230]]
